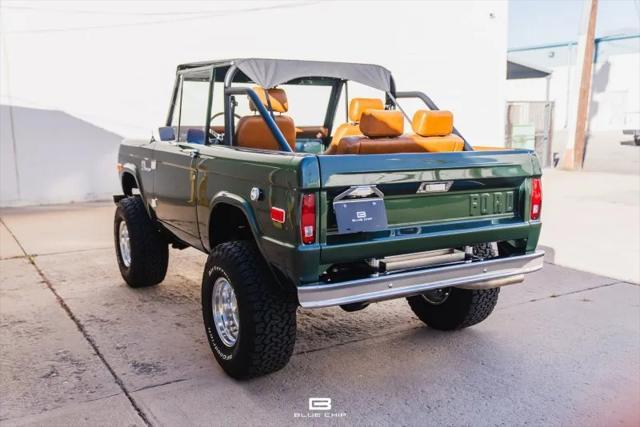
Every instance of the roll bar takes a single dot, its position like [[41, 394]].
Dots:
[[432, 106], [277, 133]]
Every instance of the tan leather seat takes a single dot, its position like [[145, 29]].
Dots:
[[253, 132], [434, 129], [383, 134], [382, 130], [356, 107]]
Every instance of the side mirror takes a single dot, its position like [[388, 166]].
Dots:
[[166, 133]]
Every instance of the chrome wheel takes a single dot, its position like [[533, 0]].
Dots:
[[437, 296], [225, 311], [125, 247]]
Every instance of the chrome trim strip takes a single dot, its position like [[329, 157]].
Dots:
[[474, 275], [373, 192]]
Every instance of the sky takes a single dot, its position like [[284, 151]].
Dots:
[[535, 22]]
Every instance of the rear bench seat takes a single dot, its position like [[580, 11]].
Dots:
[[382, 133]]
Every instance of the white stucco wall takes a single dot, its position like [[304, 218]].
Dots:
[[615, 99], [614, 106], [117, 75]]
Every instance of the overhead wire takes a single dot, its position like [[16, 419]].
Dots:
[[204, 15], [101, 12]]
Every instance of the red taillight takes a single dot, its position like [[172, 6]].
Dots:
[[308, 219], [536, 198]]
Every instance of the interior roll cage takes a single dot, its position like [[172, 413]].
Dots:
[[432, 106], [229, 122], [229, 73]]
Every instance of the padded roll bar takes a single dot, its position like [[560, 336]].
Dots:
[[432, 106]]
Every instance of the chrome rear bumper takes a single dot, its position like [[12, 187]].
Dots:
[[474, 275]]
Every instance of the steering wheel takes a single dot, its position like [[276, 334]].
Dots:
[[216, 115], [215, 135]]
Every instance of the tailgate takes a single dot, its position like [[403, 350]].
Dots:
[[432, 201]]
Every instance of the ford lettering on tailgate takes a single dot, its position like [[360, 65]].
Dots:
[[491, 203]]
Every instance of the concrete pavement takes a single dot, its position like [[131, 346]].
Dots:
[[591, 221], [79, 347]]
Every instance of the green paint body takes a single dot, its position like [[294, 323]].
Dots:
[[488, 199]]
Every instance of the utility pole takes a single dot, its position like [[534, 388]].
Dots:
[[574, 153]]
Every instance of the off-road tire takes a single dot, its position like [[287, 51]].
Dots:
[[149, 249], [267, 314], [484, 250], [463, 307]]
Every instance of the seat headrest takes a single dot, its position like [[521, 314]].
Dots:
[[381, 123], [432, 122], [357, 106], [278, 98]]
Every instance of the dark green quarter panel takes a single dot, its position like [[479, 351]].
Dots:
[[226, 175]]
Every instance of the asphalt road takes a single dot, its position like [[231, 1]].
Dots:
[[78, 346]]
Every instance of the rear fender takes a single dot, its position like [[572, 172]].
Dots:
[[239, 202], [243, 205]]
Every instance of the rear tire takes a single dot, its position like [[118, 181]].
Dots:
[[455, 308], [144, 257], [255, 334], [461, 309], [484, 251]]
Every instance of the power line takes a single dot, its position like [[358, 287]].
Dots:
[[102, 12], [162, 21]]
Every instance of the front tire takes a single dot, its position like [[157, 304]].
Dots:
[[250, 323], [142, 252]]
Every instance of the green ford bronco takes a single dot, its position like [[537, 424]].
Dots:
[[309, 184]]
